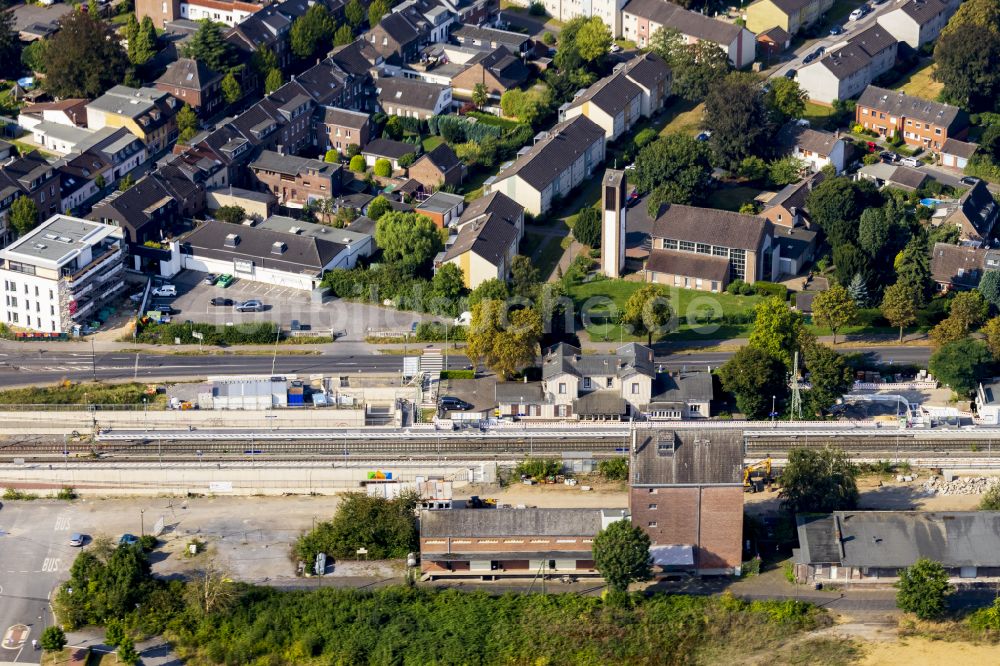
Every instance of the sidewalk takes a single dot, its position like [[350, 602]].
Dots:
[[153, 652]]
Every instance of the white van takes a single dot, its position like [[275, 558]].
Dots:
[[910, 162]]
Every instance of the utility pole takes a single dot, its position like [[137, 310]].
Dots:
[[93, 359], [796, 408], [274, 357]]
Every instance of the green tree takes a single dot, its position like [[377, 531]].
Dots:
[[10, 44], [209, 46], [818, 481], [377, 10], [480, 95], [923, 589], [127, 653], [737, 115], [343, 36], [991, 331], [587, 228], [948, 330], [231, 214], [961, 365], [525, 106], [966, 65], [505, 341], [492, 289], [899, 306], [126, 183], [53, 638], [969, 308], [989, 287], [448, 283], [834, 309], [613, 469], [23, 215], [378, 207], [84, 58], [593, 41], [695, 67], [383, 167], [264, 60], [674, 160], [142, 47], [752, 168], [407, 236], [114, 632], [357, 164], [913, 269], [991, 499], [385, 527], [354, 12], [621, 554], [785, 98], [33, 55], [753, 376], [524, 277], [231, 90], [187, 123], [873, 231], [829, 377], [985, 13], [273, 81], [786, 170], [836, 205], [311, 32], [648, 309], [777, 329]]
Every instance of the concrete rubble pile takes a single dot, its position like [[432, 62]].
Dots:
[[976, 485]]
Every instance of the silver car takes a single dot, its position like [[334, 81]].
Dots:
[[250, 306]]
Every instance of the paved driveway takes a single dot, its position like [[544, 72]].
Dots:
[[282, 305]]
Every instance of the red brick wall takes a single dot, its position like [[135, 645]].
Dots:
[[721, 528]]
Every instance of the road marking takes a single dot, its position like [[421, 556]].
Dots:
[[15, 636], [62, 523], [51, 564]]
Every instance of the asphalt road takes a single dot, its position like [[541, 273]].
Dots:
[[35, 367]]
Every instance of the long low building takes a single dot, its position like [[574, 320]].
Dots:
[[511, 542], [872, 546]]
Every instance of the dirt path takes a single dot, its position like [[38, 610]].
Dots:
[[925, 652]]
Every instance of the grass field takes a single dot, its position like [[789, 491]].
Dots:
[[686, 117], [699, 312], [731, 198], [431, 142], [920, 84], [83, 394], [544, 251], [818, 115]]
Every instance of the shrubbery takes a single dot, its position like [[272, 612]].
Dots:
[[614, 469], [385, 527], [538, 468], [261, 333]]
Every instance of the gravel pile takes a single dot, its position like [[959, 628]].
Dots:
[[975, 485]]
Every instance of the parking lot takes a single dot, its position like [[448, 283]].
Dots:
[[282, 305]]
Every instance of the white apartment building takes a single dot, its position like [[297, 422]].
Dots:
[[59, 274], [609, 11], [229, 13]]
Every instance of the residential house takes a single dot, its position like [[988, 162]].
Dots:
[[71, 112], [959, 267], [490, 39], [270, 28], [988, 401], [680, 396], [58, 138], [148, 113], [849, 67], [228, 12], [489, 232], [898, 177], [793, 235], [874, 546], [787, 208], [60, 274], [443, 208], [32, 176], [917, 22], [295, 104], [609, 11], [956, 154], [642, 18], [795, 247], [499, 70], [147, 213], [789, 15], [398, 37], [686, 493], [597, 386], [78, 179], [194, 84], [975, 214], [817, 148], [919, 122], [398, 96], [504, 543], [296, 181], [618, 101], [706, 248], [259, 254], [438, 167], [558, 161], [387, 149], [339, 128]]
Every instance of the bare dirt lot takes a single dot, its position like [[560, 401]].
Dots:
[[926, 652]]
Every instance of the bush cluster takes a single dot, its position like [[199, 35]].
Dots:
[[261, 333]]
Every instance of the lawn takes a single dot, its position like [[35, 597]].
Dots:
[[700, 312], [472, 188], [687, 117], [431, 142], [840, 10], [818, 115], [731, 198], [920, 84], [544, 250]]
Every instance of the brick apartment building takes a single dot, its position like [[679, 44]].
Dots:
[[194, 84], [920, 122], [511, 542], [296, 181], [686, 491]]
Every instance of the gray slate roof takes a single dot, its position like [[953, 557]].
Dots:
[[957, 265], [964, 149], [189, 73], [683, 387], [509, 522], [684, 21], [388, 148], [806, 138], [292, 165], [627, 360], [924, 11], [303, 254], [344, 118], [408, 92], [490, 237], [690, 264], [689, 456], [896, 539], [709, 225], [900, 104], [555, 153], [610, 94]]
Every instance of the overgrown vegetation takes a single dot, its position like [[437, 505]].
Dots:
[[258, 333], [538, 469], [87, 393], [614, 469], [386, 528]]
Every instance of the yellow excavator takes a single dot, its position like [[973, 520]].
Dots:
[[757, 476]]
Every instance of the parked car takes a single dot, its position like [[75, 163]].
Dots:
[[790, 74], [969, 180], [837, 30], [128, 540], [615, 48], [164, 309], [76, 539], [210, 279], [633, 198], [218, 300], [165, 290], [225, 280], [250, 306], [451, 403], [888, 156], [815, 54], [910, 162], [857, 13]]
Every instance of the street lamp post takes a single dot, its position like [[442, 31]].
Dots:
[[145, 414], [142, 523], [773, 412]]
